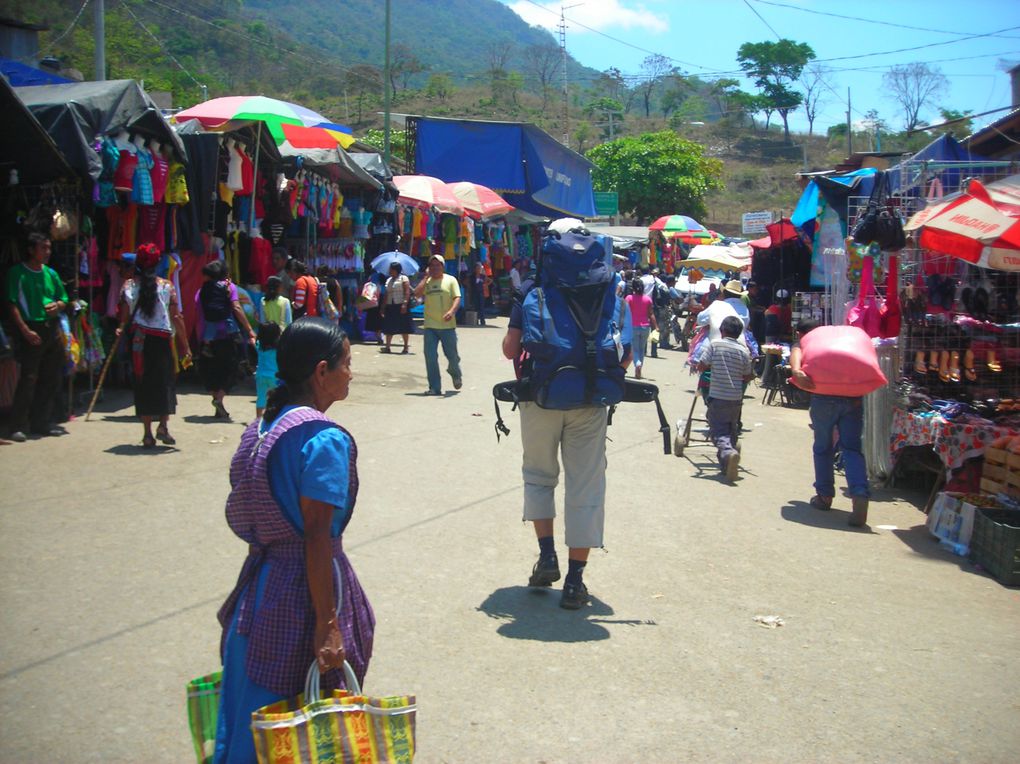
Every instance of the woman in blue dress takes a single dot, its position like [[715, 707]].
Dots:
[[293, 484]]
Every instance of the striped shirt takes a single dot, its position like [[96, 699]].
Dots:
[[730, 363]]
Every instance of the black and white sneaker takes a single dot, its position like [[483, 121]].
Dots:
[[575, 596], [545, 572]]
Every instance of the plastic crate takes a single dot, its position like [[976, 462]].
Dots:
[[995, 543]]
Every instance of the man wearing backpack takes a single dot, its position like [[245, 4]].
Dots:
[[574, 374], [441, 293]]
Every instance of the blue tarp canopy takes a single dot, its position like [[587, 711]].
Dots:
[[19, 74], [945, 158], [521, 162]]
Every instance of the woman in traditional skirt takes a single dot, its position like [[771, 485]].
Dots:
[[294, 483], [396, 307], [222, 314], [150, 305]]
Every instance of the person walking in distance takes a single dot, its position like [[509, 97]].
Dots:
[[730, 364], [441, 293], [35, 299], [642, 318]]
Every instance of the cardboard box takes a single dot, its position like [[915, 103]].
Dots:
[[992, 487], [952, 519], [994, 472]]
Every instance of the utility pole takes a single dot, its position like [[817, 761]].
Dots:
[[386, 91], [563, 51], [99, 25], [849, 131]]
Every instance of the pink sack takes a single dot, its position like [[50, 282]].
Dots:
[[840, 360]]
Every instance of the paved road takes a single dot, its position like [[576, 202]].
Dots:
[[115, 561]]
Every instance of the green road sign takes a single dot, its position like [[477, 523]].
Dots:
[[607, 203]]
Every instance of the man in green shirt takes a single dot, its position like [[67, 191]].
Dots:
[[36, 297], [442, 298]]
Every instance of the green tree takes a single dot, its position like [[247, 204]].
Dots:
[[774, 67], [608, 109], [960, 129], [583, 133], [440, 86], [693, 109], [404, 65], [656, 174]]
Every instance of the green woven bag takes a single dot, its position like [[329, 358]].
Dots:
[[203, 710]]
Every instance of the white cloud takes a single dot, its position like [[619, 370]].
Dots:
[[602, 15]]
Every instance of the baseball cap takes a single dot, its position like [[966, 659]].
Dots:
[[128, 258], [437, 257]]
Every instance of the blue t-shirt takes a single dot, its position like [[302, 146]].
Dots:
[[267, 362], [310, 460]]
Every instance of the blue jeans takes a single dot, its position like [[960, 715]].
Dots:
[[829, 414], [638, 341], [448, 338]]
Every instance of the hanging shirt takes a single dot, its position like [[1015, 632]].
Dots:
[[158, 174], [141, 191], [235, 181]]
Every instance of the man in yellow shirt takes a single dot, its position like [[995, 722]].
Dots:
[[442, 299]]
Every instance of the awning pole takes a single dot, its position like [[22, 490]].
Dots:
[[255, 177]]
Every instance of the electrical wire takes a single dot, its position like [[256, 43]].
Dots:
[[159, 43], [67, 31], [868, 21]]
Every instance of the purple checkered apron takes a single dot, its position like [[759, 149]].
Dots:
[[280, 630]]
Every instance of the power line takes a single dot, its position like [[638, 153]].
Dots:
[[916, 47], [617, 40], [867, 21], [162, 47], [67, 31]]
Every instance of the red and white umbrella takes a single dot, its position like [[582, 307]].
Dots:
[[480, 201], [981, 226], [425, 191]]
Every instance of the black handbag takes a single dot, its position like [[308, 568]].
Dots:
[[880, 223]]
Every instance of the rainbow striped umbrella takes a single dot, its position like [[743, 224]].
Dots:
[[219, 113], [677, 224]]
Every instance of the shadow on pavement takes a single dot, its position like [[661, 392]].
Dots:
[[923, 543], [205, 419], [119, 418], [127, 449], [834, 519], [535, 614]]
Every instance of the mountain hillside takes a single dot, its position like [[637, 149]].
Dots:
[[451, 36]]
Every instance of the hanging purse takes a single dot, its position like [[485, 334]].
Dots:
[[64, 225], [891, 312], [880, 223], [866, 314]]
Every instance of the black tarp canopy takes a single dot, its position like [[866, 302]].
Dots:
[[25, 146], [76, 114]]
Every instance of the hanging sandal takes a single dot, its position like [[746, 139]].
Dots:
[[954, 367], [968, 366], [165, 437], [933, 362], [993, 363], [919, 365], [944, 366], [822, 503]]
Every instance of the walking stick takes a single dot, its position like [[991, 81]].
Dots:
[[102, 375]]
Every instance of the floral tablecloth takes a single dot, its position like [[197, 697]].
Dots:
[[954, 443]]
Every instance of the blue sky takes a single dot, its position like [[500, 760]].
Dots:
[[702, 37]]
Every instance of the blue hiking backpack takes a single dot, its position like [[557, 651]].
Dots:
[[575, 328]]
